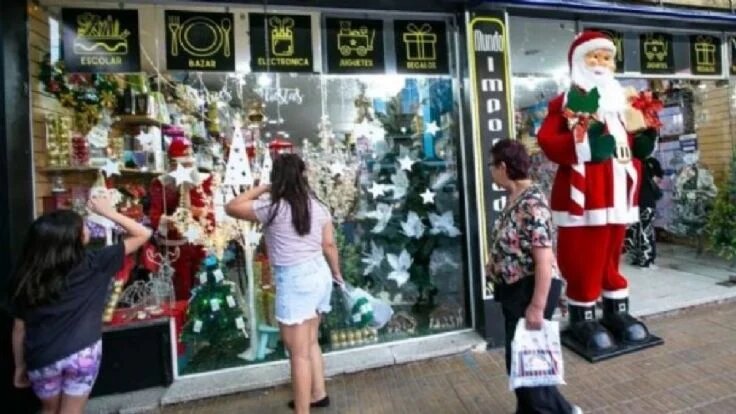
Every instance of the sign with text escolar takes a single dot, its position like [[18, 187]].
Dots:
[[421, 46], [489, 76], [354, 45], [656, 53], [199, 41], [280, 43], [705, 55], [100, 40]]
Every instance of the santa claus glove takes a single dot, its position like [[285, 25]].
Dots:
[[601, 147], [595, 129], [644, 142]]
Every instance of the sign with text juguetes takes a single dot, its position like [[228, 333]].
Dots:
[[705, 55], [421, 46], [100, 40], [656, 53], [199, 41], [280, 43], [354, 45]]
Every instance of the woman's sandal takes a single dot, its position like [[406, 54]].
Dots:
[[323, 403]]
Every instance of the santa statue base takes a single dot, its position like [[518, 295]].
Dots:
[[620, 348]]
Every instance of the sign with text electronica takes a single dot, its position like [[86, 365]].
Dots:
[[280, 42], [354, 45]]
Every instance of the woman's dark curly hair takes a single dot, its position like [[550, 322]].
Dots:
[[512, 153]]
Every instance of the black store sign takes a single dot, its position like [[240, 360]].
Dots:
[[705, 55], [280, 43], [618, 40], [656, 53], [489, 76], [199, 41], [421, 46], [100, 40], [354, 45], [732, 48]]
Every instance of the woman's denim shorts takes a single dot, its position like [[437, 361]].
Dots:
[[302, 290]]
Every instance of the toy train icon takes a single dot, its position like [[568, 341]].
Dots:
[[359, 41]]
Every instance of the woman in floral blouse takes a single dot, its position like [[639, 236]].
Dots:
[[522, 265]]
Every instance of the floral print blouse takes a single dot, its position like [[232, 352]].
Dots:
[[524, 224]]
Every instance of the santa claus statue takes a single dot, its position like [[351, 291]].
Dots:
[[165, 199], [595, 194]]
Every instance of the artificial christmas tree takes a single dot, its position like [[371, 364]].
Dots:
[[215, 326], [722, 221]]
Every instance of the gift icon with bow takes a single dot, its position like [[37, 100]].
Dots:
[[282, 36], [421, 43]]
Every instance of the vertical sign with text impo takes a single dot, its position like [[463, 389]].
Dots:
[[199, 41], [489, 75], [354, 45], [100, 40], [705, 55], [732, 50], [280, 43], [421, 46], [656, 53]]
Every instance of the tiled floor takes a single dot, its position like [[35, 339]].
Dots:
[[695, 371]]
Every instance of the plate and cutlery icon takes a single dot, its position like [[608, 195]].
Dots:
[[199, 36]]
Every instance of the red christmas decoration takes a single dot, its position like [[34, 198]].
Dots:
[[649, 107], [80, 151]]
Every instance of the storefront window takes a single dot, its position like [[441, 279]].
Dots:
[[381, 152]]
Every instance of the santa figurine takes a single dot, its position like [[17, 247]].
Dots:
[[595, 195], [165, 199]]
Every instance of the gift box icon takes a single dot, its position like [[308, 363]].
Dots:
[[705, 51], [420, 42], [282, 37]]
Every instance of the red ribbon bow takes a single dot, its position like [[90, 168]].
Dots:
[[649, 107]]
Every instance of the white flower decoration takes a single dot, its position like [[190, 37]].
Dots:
[[400, 185], [400, 267], [382, 214], [413, 226], [373, 259], [443, 224]]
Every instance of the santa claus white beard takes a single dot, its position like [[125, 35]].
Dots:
[[612, 102]]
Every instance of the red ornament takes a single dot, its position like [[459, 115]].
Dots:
[[80, 151], [649, 107]]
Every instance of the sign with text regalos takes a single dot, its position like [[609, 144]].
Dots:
[[100, 40], [489, 76]]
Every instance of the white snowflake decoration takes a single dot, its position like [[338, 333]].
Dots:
[[400, 267]]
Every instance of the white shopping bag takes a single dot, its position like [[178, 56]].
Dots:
[[536, 356], [364, 309]]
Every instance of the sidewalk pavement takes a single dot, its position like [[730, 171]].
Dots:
[[694, 372]]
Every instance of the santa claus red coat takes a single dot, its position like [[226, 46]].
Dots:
[[591, 202]]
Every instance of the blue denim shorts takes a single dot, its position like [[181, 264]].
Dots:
[[302, 290]]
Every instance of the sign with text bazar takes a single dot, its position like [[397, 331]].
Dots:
[[354, 45], [199, 41], [280, 42], [492, 118], [100, 40]]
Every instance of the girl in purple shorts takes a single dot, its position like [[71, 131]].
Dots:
[[59, 293]]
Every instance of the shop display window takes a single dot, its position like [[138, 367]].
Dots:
[[381, 151]]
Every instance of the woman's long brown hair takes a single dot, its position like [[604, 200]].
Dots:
[[289, 183]]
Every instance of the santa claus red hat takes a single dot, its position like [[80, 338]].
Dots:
[[180, 147], [587, 41]]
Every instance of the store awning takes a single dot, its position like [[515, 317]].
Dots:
[[607, 8]]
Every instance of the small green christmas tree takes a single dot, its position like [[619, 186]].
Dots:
[[722, 220], [215, 321]]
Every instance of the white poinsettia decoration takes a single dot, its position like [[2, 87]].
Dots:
[[443, 224], [399, 267], [413, 226], [373, 259], [400, 184], [382, 215]]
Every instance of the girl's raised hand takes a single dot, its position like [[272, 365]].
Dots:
[[101, 204]]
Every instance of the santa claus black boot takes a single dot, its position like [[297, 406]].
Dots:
[[587, 331], [622, 325]]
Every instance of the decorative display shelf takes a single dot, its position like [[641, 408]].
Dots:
[[136, 120], [71, 170]]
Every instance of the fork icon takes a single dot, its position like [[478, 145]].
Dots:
[[174, 27]]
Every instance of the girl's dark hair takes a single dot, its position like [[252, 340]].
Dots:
[[53, 246], [289, 183], [512, 153]]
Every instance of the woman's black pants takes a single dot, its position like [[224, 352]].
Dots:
[[514, 300]]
